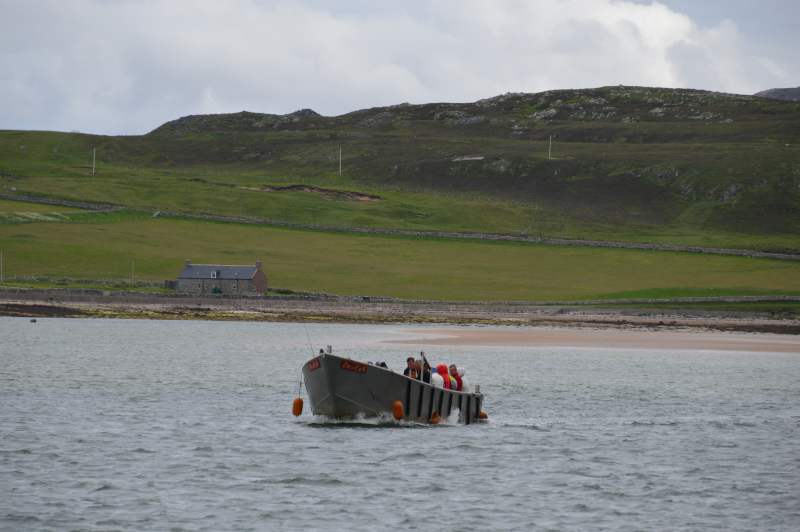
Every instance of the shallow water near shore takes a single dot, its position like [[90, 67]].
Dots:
[[154, 425]]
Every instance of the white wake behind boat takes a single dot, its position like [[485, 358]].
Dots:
[[343, 388]]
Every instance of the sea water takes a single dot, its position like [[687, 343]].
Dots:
[[177, 425]]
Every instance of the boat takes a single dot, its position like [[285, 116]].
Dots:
[[340, 387]]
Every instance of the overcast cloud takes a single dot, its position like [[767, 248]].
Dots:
[[126, 66]]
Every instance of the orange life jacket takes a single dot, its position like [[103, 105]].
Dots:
[[442, 370]]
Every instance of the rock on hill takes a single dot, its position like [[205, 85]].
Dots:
[[789, 94], [243, 121]]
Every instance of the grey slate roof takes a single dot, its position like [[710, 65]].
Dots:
[[204, 271]]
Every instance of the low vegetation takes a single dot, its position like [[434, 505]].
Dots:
[[154, 249], [614, 163]]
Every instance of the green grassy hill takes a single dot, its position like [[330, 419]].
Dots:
[[627, 163], [619, 163]]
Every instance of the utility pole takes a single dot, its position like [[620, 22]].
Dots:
[[1, 265], [550, 148], [133, 270], [340, 160], [94, 156]]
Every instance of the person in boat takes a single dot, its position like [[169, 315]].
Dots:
[[411, 368], [441, 369], [454, 374], [424, 370]]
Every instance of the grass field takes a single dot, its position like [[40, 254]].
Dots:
[[380, 266]]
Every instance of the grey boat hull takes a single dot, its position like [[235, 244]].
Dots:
[[342, 388]]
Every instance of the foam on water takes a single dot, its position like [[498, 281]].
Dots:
[[147, 425], [382, 421]]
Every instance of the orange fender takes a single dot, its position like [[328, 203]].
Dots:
[[397, 410], [297, 406]]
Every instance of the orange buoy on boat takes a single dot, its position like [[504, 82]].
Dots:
[[397, 410], [483, 416], [297, 406], [435, 418]]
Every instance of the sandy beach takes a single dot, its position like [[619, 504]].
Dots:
[[606, 338], [484, 324]]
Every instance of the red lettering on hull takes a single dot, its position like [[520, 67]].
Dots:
[[355, 367]]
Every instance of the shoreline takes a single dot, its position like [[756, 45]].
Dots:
[[490, 327], [430, 313]]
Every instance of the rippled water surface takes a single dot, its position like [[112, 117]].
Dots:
[[153, 425]]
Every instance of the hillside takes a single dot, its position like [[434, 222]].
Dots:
[[788, 94], [626, 163]]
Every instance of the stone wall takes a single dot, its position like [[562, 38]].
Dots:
[[216, 286]]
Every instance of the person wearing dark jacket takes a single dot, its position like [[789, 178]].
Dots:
[[425, 370], [411, 369]]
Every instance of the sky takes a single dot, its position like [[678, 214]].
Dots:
[[127, 66]]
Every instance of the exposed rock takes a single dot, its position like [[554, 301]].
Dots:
[[729, 192], [501, 99], [469, 120], [501, 166], [458, 118], [687, 191], [546, 114], [449, 114], [583, 114], [303, 113], [707, 115], [379, 120]]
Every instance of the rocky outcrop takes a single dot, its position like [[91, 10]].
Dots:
[[383, 119], [617, 104], [242, 121]]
